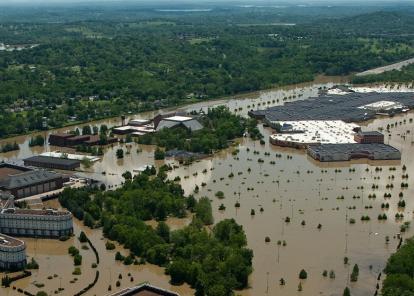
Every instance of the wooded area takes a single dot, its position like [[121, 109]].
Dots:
[[213, 262], [81, 70]]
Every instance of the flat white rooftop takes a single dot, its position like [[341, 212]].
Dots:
[[370, 89], [59, 154], [318, 132], [143, 128], [178, 118], [139, 120], [382, 105]]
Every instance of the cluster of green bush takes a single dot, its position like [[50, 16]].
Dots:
[[400, 271], [213, 262]]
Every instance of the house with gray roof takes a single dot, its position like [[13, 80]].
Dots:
[[179, 121], [23, 182]]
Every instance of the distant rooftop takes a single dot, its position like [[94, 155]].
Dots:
[[8, 241], [345, 107], [139, 120], [188, 122], [178, 118], [316, 131], [7, 169], [371, 133], [351, 148], [144, 290], [27, 178], [52, 160]]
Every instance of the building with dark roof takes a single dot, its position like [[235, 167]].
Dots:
[[7, 169], [52, 162], [144, 290], [350, 107], [180, 121], [59, 139], [23, 182], [345, 152], [369, 137], [71, 140]]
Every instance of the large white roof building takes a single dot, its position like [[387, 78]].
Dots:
[[304, 132]]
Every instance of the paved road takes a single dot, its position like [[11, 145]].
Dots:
[[396, 66]]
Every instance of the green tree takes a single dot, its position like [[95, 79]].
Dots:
[[303, 274], [119, 153], [347, 292]]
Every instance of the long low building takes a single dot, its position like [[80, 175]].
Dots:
[[72, 140], [345, 152], [349, 107], [48, 223], [132, 129], [299, 134], [52, 162], [23, 182]]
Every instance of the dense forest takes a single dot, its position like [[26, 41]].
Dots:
[[400, 272], [214, 262], [77, 70]]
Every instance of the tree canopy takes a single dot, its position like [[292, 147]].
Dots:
[[213, 262]]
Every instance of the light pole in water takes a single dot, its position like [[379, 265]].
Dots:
[[267, 282]]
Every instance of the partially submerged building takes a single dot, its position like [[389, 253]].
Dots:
[[135, 127], [346, 152], [369, 137], [72, 140], [24, 182], [349, 107], [300, 134], [179, 121], [139, 127], [12, 253], [49, 162], [46, 223], [144, 290]]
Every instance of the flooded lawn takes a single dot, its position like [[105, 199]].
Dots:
[[263, 187]]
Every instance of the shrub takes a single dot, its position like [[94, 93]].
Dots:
[[77, 271], [109, 245], [82, 237], [77, 259], [303, 274]]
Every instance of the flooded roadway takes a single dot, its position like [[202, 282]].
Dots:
[[285, 183]]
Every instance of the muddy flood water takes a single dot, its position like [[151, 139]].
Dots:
[[321, 201]]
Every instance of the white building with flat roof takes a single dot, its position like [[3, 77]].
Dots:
[[305, 132]]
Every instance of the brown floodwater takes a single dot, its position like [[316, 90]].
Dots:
[[293, 186]]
